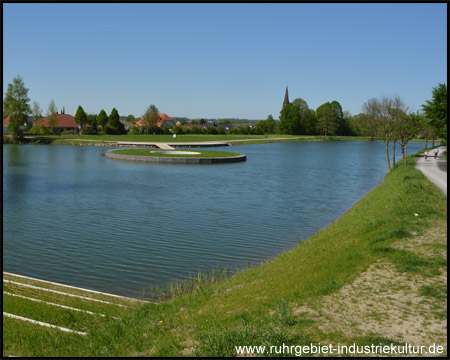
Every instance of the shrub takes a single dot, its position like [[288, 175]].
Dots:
[[43, 130], [8, 139], [178, 130], [34, 130], [90, 130], [211, 130], [134, 131], [195, 130], [69, 132], [111, 131]]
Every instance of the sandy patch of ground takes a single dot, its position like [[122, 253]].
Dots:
[[384, 302]]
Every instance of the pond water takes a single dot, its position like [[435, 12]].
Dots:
[[73, 216]]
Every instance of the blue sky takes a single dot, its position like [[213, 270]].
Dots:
[[223, 60]]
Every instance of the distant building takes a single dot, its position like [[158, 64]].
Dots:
[[163, 121], [286, 98], [6, 122], [63, 122]]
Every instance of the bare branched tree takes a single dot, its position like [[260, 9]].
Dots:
[[377, 111], [389, 115]]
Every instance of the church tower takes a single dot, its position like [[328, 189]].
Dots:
[[286, 98]]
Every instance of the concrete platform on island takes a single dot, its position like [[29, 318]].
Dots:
[[173, 145]]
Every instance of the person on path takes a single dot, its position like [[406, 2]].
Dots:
[[436, 152], [425, 155]]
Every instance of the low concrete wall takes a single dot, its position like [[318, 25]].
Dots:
[[174, 145], [175, 160]]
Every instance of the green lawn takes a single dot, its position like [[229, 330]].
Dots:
[[203, 153], [166, 138], [233, 139]]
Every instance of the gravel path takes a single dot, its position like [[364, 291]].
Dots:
[[433, 169]]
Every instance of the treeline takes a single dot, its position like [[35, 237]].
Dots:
[[388, 119], [296, 118]]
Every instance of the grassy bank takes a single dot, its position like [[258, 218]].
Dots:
[[105, 140], [232, 139], [398, 231]]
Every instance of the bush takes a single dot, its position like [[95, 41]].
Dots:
[[111, 131], [8, 139], [221, 130], [211, 130], [195, 130], [34, 130], [178, 130], [90, 130], [69, 132], [43, 130], [134, 131]]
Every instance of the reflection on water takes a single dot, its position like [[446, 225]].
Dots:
[[73, 216]]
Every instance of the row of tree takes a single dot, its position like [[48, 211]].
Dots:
[[383, 118], [296, 118], [16, 106], [389, 119], [108, 124]]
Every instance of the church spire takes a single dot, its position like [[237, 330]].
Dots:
[[286, 98]]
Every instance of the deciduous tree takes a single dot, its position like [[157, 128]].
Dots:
[[436, 110], [327, 121], [397, 112], [339, 116], [52, 113], [267, 126], [302, 110], [408, 128], [309, 121], [423, 126], [150, 117], [380, 111], [36, 112], [16, 105], [289, 120]]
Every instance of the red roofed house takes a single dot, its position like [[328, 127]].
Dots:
[[64, 122], [6, 122], [163, 121]]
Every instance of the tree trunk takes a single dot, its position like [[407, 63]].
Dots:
[[387, 156], [393, 154], [426, 142], [403, 150], [432, 145]]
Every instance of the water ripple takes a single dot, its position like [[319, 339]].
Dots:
[[73, 216]]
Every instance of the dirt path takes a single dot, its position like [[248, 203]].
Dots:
[[385, 302], [433, 169]]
